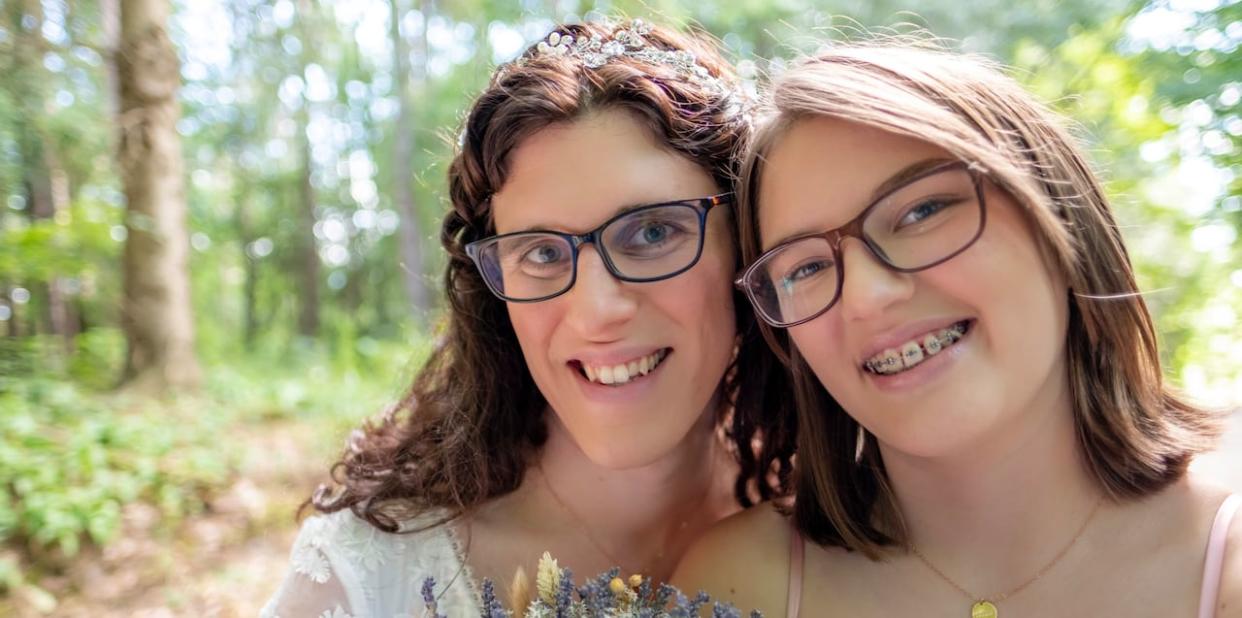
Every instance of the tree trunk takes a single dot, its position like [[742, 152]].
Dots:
[[244, 184], [308, 258], [402, 193], [58, 310], [156, 313], [13, 326], [47, 184], [250, 263], [110, 26]]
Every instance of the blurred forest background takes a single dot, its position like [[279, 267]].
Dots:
[[159, 425]]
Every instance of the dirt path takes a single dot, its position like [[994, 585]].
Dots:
[[225, 562]]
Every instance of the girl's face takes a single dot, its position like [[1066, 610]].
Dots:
[[945, 394], [672, 339]]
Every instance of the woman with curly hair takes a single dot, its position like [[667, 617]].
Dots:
[[579, 399]]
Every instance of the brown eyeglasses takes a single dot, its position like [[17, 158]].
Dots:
[[927, 220]]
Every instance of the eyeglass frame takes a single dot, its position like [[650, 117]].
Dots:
[[854, 228], [701, 205]]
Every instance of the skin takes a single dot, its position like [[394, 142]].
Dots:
[[637, 471], [980, 450]]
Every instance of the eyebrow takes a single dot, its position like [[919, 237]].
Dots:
[[890, 184], [620, 210]]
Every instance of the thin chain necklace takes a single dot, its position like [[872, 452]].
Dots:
[[985, 607], [586, 530]]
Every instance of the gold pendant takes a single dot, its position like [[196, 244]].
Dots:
[[983, 609]]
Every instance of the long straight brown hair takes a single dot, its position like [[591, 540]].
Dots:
[[1136, 435]]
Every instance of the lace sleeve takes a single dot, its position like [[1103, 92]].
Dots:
[[318, 583]]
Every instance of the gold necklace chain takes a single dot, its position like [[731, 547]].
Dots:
[[586, 530], [985, 607]]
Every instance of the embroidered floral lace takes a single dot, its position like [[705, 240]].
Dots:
[[342, 567]]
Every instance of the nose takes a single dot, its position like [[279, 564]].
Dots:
[[869, 287], [598, 302]]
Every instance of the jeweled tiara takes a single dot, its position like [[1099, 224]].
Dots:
[[595, 51]]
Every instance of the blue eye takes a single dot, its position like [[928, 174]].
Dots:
[[651, 238], [654, 233], [804, 271], [543, 254], [925, 210]]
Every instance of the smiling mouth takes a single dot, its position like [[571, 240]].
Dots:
[[622, 373], [913, 352]]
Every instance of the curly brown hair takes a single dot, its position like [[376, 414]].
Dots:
[[468, 426]]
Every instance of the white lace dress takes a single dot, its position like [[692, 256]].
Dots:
[[342, 567]]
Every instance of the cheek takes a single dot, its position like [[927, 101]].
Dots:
[[716, 290], [1022, 309], [819, 342], [700, 304], [1027, 294], [533, 324]]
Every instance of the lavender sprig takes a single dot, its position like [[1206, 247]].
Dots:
[[565, 594], [429, 598], [491, 606], [664, 595], [604, 595]]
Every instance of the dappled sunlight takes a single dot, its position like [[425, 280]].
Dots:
[[315, 139]]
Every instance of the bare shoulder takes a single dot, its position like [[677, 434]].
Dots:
[[1229, 599], [743, 559], [1202, 502]]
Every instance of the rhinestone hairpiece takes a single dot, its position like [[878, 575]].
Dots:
[[595, 52]]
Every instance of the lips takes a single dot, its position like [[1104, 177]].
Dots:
[[617, 374], [914, 351]]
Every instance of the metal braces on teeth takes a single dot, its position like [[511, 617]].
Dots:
[[931, 345]]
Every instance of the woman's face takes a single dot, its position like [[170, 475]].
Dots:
[[1000, 293], [572, 178]]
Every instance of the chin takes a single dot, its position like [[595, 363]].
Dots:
[[936, 433], [619, 449], [615, 456]]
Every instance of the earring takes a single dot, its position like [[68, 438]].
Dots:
[[860, 444]]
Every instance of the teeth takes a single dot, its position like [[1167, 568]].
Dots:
[[620, 374], [951, 334], [889, 361], [911, 353], [623, 373]]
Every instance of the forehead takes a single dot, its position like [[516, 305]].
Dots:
[[573, 176], [821, 172]]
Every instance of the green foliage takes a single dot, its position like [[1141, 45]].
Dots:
[[72, 458], [69, 461], [1132, 109], [244, 114], [97, 355], [77, 243]]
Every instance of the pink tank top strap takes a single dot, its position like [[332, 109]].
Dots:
[[1214, 559], [797, 549]]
